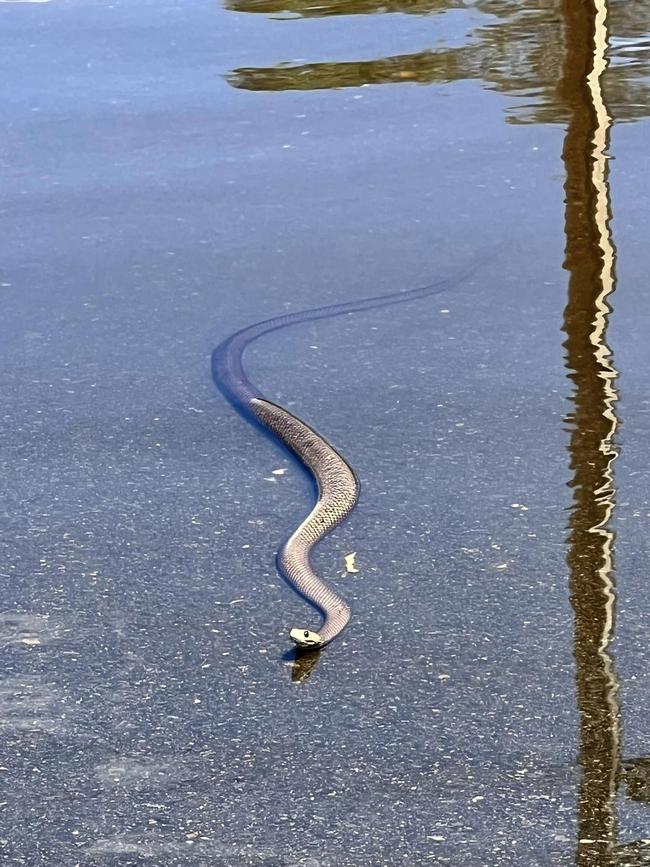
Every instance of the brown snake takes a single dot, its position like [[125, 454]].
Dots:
[[338, 487]]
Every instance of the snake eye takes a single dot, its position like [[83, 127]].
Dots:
[[306, 633]]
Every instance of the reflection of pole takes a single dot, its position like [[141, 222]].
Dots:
[[590, 256]]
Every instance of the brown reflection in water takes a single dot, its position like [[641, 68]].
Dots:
[[303, 665], [519, 50], [590, 259], [327, 8], [422, 68]]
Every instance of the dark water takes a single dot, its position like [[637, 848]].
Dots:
[[173, 171]]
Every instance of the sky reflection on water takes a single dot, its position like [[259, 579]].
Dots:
[[174, 172]]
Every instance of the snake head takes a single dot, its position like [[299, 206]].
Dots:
[[305, 638]]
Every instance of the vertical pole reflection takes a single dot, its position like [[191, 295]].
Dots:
[[590, 259]]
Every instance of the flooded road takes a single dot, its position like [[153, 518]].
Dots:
[[173, 172]]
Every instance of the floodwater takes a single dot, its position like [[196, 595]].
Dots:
[[172, 171]]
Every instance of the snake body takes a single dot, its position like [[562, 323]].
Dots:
[[338, 492], [338, 487]]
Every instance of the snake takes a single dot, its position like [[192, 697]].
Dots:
[[337, 484]]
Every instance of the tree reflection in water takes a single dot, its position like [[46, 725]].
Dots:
[[519, 50]]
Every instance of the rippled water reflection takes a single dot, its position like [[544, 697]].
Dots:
[[518, 48]]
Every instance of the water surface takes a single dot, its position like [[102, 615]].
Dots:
[[172, 172]]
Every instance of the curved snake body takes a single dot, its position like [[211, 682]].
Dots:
[[338, 492], [338, 487]]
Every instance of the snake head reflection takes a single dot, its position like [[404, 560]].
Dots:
[[305, 639]]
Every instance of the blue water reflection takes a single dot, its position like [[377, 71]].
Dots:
[[150, 209]]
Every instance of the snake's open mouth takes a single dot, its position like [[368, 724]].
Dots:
[[305, 638]]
